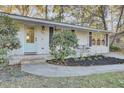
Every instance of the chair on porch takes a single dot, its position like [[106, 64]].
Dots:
[[83, 50]]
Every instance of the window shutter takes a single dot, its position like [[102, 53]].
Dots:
[[90, 38], [106, 39], [50, 34]]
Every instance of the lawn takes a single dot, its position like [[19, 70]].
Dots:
[[100, 80]]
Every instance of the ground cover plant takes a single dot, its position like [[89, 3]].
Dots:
[[88, 61]]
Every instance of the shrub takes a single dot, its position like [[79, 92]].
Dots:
[[3, 54], [8, 39], [63, 44], [114, 48]]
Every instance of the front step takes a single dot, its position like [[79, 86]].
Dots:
[[32, 61], [26, 59], [30, 53]]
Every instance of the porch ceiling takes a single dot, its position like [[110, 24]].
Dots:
[[51, 23]]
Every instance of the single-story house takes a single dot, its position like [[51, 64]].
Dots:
[[35, 35]]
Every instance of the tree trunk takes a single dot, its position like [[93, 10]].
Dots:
[[103, 16], [118, 25], [46, 12], [61, 13]]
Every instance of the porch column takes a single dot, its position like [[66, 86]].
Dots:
[[106, 36], [50, 34], [90, 39]]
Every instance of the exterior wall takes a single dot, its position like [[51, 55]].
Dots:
[[99, 49], [83, 38], [42, 40], [42, 43]]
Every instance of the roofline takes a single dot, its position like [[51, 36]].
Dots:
[[48, 22]]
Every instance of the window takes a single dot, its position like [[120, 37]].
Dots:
[[93, 42], [30, 35], [103, 42], [98, 39], [94, 39], [103, 36]]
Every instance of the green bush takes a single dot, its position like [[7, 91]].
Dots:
[[8, 39], [63, 44], [3, 55], [114, 48]]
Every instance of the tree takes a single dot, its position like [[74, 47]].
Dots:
[[102, 12], [82, 14], [41, 11], [63, 44], [25, 10], [58, 10], [46, 12], [61, 12], [20, 9], [8, 39], [118, 24]]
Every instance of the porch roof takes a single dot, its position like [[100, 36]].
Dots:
[[52, 23]]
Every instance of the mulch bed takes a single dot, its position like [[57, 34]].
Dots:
[[87, 61]]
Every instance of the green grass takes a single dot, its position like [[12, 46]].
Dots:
[[99, 80]]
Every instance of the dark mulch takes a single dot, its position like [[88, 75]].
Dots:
[[88, 61]]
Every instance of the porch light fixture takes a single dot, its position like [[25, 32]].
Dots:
[[27, 37], [43, 29]]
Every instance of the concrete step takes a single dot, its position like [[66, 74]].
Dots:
[[28, 59], [33, 61]]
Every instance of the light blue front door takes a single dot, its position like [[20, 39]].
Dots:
[[30, 44]]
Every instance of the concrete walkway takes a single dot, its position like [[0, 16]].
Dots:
[[49, 70]]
